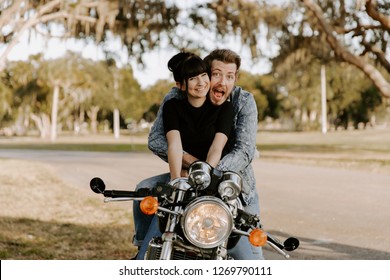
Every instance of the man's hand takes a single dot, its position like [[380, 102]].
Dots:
[[184, 173]]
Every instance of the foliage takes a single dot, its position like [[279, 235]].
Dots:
[[84, 85], [350, 31], [152, 98], [226, 17], [5, 97], [264, 91], [138, 23]]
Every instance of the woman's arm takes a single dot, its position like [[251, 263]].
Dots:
[[215, 152], [175, 153], [223, 127], [157, 141]]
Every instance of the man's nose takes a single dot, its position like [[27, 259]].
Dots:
[[223, 80]]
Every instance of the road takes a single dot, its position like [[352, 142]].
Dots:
[[335, 213]]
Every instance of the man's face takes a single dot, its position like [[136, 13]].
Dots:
[[223, 77]]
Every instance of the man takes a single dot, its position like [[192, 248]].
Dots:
[[224, 65]]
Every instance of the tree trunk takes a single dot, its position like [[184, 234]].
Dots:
[[42, 122], [92, 114], [341, 52], [116, 123], [54, 113]]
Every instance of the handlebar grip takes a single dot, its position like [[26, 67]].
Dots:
[[115, 193], [275, 241]]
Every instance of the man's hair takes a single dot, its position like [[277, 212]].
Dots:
[[223, 55]]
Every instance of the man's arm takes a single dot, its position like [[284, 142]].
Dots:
[[188, 159], [244, 134]]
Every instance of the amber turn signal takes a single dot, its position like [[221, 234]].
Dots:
[[257, 237], [149, 205]]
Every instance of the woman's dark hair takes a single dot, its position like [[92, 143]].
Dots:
[[186, 65]]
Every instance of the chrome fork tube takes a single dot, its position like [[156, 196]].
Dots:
[[169, 236]]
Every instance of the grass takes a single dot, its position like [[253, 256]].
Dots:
[[23, 238], [362, 149], [41, 218]]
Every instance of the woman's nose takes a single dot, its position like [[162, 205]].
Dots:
[[201, 81]]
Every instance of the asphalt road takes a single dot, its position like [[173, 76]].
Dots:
[[335, 213]]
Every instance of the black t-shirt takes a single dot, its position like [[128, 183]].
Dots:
[[197, 126]]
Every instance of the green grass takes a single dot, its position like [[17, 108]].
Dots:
[[37, 240]]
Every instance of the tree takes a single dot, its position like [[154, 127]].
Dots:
[[357, 35], [240, 18], [153, 95], [139, 24], [5, 97], [254, 84], [28, 97]]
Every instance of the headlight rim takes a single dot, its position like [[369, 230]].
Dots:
[[203, 200]]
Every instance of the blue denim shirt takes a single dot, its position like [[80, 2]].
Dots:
[[241, 146]]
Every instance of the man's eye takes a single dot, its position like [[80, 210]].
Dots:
[[230, 77]]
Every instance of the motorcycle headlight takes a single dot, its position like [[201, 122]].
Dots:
[[207, 222]]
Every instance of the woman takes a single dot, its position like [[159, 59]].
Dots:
[[193, 124]]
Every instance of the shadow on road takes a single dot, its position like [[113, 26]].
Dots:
[[312, 249]]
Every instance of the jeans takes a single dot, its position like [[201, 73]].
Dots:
[[244, 250], [142, 221], [146, 227]]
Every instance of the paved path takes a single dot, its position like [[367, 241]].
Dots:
[[336, 213]]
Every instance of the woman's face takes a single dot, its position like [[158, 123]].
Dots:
[[198, 86]]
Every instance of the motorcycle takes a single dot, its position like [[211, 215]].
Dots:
[[200, 216]]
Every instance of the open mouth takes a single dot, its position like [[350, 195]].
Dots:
[[218, 93]]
